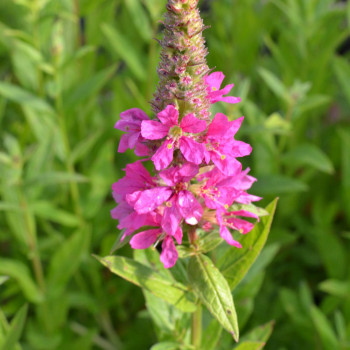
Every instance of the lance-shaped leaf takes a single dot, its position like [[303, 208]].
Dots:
[[213, 290], [143, 276], [250, 345], [235, 263]]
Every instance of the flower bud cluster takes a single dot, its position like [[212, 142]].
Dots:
[[197, 177]]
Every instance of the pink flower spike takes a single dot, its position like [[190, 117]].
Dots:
[[145, 239], [169, 253], [214, 82]]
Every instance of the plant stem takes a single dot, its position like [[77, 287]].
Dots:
[[196, 333]]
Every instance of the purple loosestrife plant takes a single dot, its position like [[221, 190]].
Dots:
[[197, 186]]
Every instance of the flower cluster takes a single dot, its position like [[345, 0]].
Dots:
[[197, 177]]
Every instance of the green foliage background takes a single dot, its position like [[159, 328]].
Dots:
[[68, 68]]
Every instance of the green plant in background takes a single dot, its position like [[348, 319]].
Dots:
[[102, 57]]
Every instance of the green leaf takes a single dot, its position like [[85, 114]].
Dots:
[[140, 18], [47, 210], [309, 154], [274, 84], [88, 87], [324, 329], [213, 290], [15, 331], [66, 260], [173, 292], [341, 69], [337, 288], [23, 97], [235, 263], [211, 335], [277, 185], [250, 345], [124, 48], [20, 272], [54, 178], [260, 333], [3, 279], [166, 346]]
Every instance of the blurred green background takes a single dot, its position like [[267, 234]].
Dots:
[[67, 70]]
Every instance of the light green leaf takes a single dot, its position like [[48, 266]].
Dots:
[[20, 272], [54, 178], [140, 18], [309, 154], [166, 346], [15, 331], [173, 292], [124, 49], [213, 290], [23, 97], [236, 262], [66, 260], [324, 329], [274, 84], [337, 288], [88, 87], [250, 345], [48, 211], [3, 279], [278, 184]]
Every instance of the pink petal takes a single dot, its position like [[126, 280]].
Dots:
[[215, 80], [141, 150], [153, 130], [134, 114], [123, 143], [190, 123], [218, 126], [228, 165], [241, 149], [144, 239], [171, 218], [150, 199], [164, 155], [226, 235], [189, 207], [178, 235], [169, 116], [230, 99], [191, 150], [241, 225], [169, 253]]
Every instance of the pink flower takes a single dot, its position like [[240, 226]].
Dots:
[[130, 122], [175, 138], [214, 81], [221, 147], [180, 203], [145, 239], [230, 220]]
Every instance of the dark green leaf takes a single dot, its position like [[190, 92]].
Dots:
[[277, 185]]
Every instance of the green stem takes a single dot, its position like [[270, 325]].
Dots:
[[196, 332]]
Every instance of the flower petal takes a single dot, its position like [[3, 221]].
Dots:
[[169, 253], [153, 130], [171, 218], [190, 123], [226, 235], [189, 207], [164, 155], [191, 150], [145, 239], [149, 200], [169, 116], [214, 80]]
